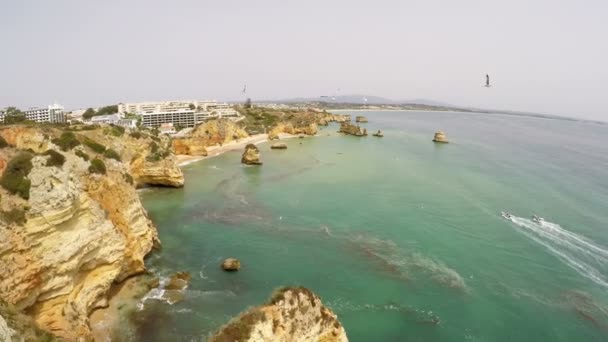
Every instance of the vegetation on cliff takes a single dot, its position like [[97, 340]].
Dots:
[[66, 141], [97, 166], [55, 158], [14, 179]]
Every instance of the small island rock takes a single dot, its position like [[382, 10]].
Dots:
[[231, 264], [378, 134], [251, 156], [440, 137], [362, 119], [278, 146]]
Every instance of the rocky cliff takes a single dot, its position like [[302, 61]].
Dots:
[[292, 314], [210, 133], [440, 137], [307, 128], [351, 129], [71, 224]]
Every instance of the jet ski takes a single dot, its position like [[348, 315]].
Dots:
[[506, 215], [537, 219]]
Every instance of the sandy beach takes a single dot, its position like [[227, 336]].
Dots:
[[213, 151]]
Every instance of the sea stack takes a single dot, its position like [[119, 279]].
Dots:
[[378, 134], [278, 146], [231, 264], [251, 156], [440, 137], [362, 119], [291, 314]]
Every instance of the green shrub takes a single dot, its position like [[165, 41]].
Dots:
[[117, 131], [15, 215], [97, 166], [97, 147], [56, 158], [14, 178], [136, 134], [66, 141], [3, 142], [82, 155], [110, 153], [153, 147]]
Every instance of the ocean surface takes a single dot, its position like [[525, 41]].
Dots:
[[402, 238]]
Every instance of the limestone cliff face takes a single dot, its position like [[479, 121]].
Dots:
[[82, 232], [210, 133], [164, 172], [289, 128], [17, 327], [293, 314], [338, 118]]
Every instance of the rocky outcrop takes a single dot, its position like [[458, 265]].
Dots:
[[17, 327], [251, 156], [292, 314], [378, 134], [440, 137], [164, 172], [293, 129], [82, 233], [337, 118], [210, 133], [361, 119], [231, 264], [351, 129], [178, 281], [278, 146]]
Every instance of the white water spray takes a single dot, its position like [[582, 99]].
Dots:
[[579, 253]]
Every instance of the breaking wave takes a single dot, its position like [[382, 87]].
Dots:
[[579, 253]]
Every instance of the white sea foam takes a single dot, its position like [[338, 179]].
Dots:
[[577, 252]]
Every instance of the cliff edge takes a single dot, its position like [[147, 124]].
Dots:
[[71, 223]]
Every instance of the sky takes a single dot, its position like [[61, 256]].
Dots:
[[545, 56]]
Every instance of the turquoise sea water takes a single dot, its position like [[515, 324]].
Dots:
[[401, 237]]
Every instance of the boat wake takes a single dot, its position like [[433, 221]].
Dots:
[[579, 253]]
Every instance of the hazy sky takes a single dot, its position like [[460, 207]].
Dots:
[[547, 56]]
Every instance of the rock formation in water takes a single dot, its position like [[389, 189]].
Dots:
[[292, 314], [210, 133], [378, 134], [351, 129], [251, 156], [231, 264], [440, 137], [71, 224], [361, 119], [278, 146]]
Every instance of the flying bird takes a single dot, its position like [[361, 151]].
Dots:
[[245, 88]]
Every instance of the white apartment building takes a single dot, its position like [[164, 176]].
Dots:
[[2, 114], [179, 113], [52, 113], [113, 119]]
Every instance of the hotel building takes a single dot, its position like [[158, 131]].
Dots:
[[179, 113], [52, 113]]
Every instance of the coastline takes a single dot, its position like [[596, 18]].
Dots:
[[216, 150]]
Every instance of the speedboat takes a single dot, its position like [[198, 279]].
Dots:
[[537, 218], [506, 215]]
